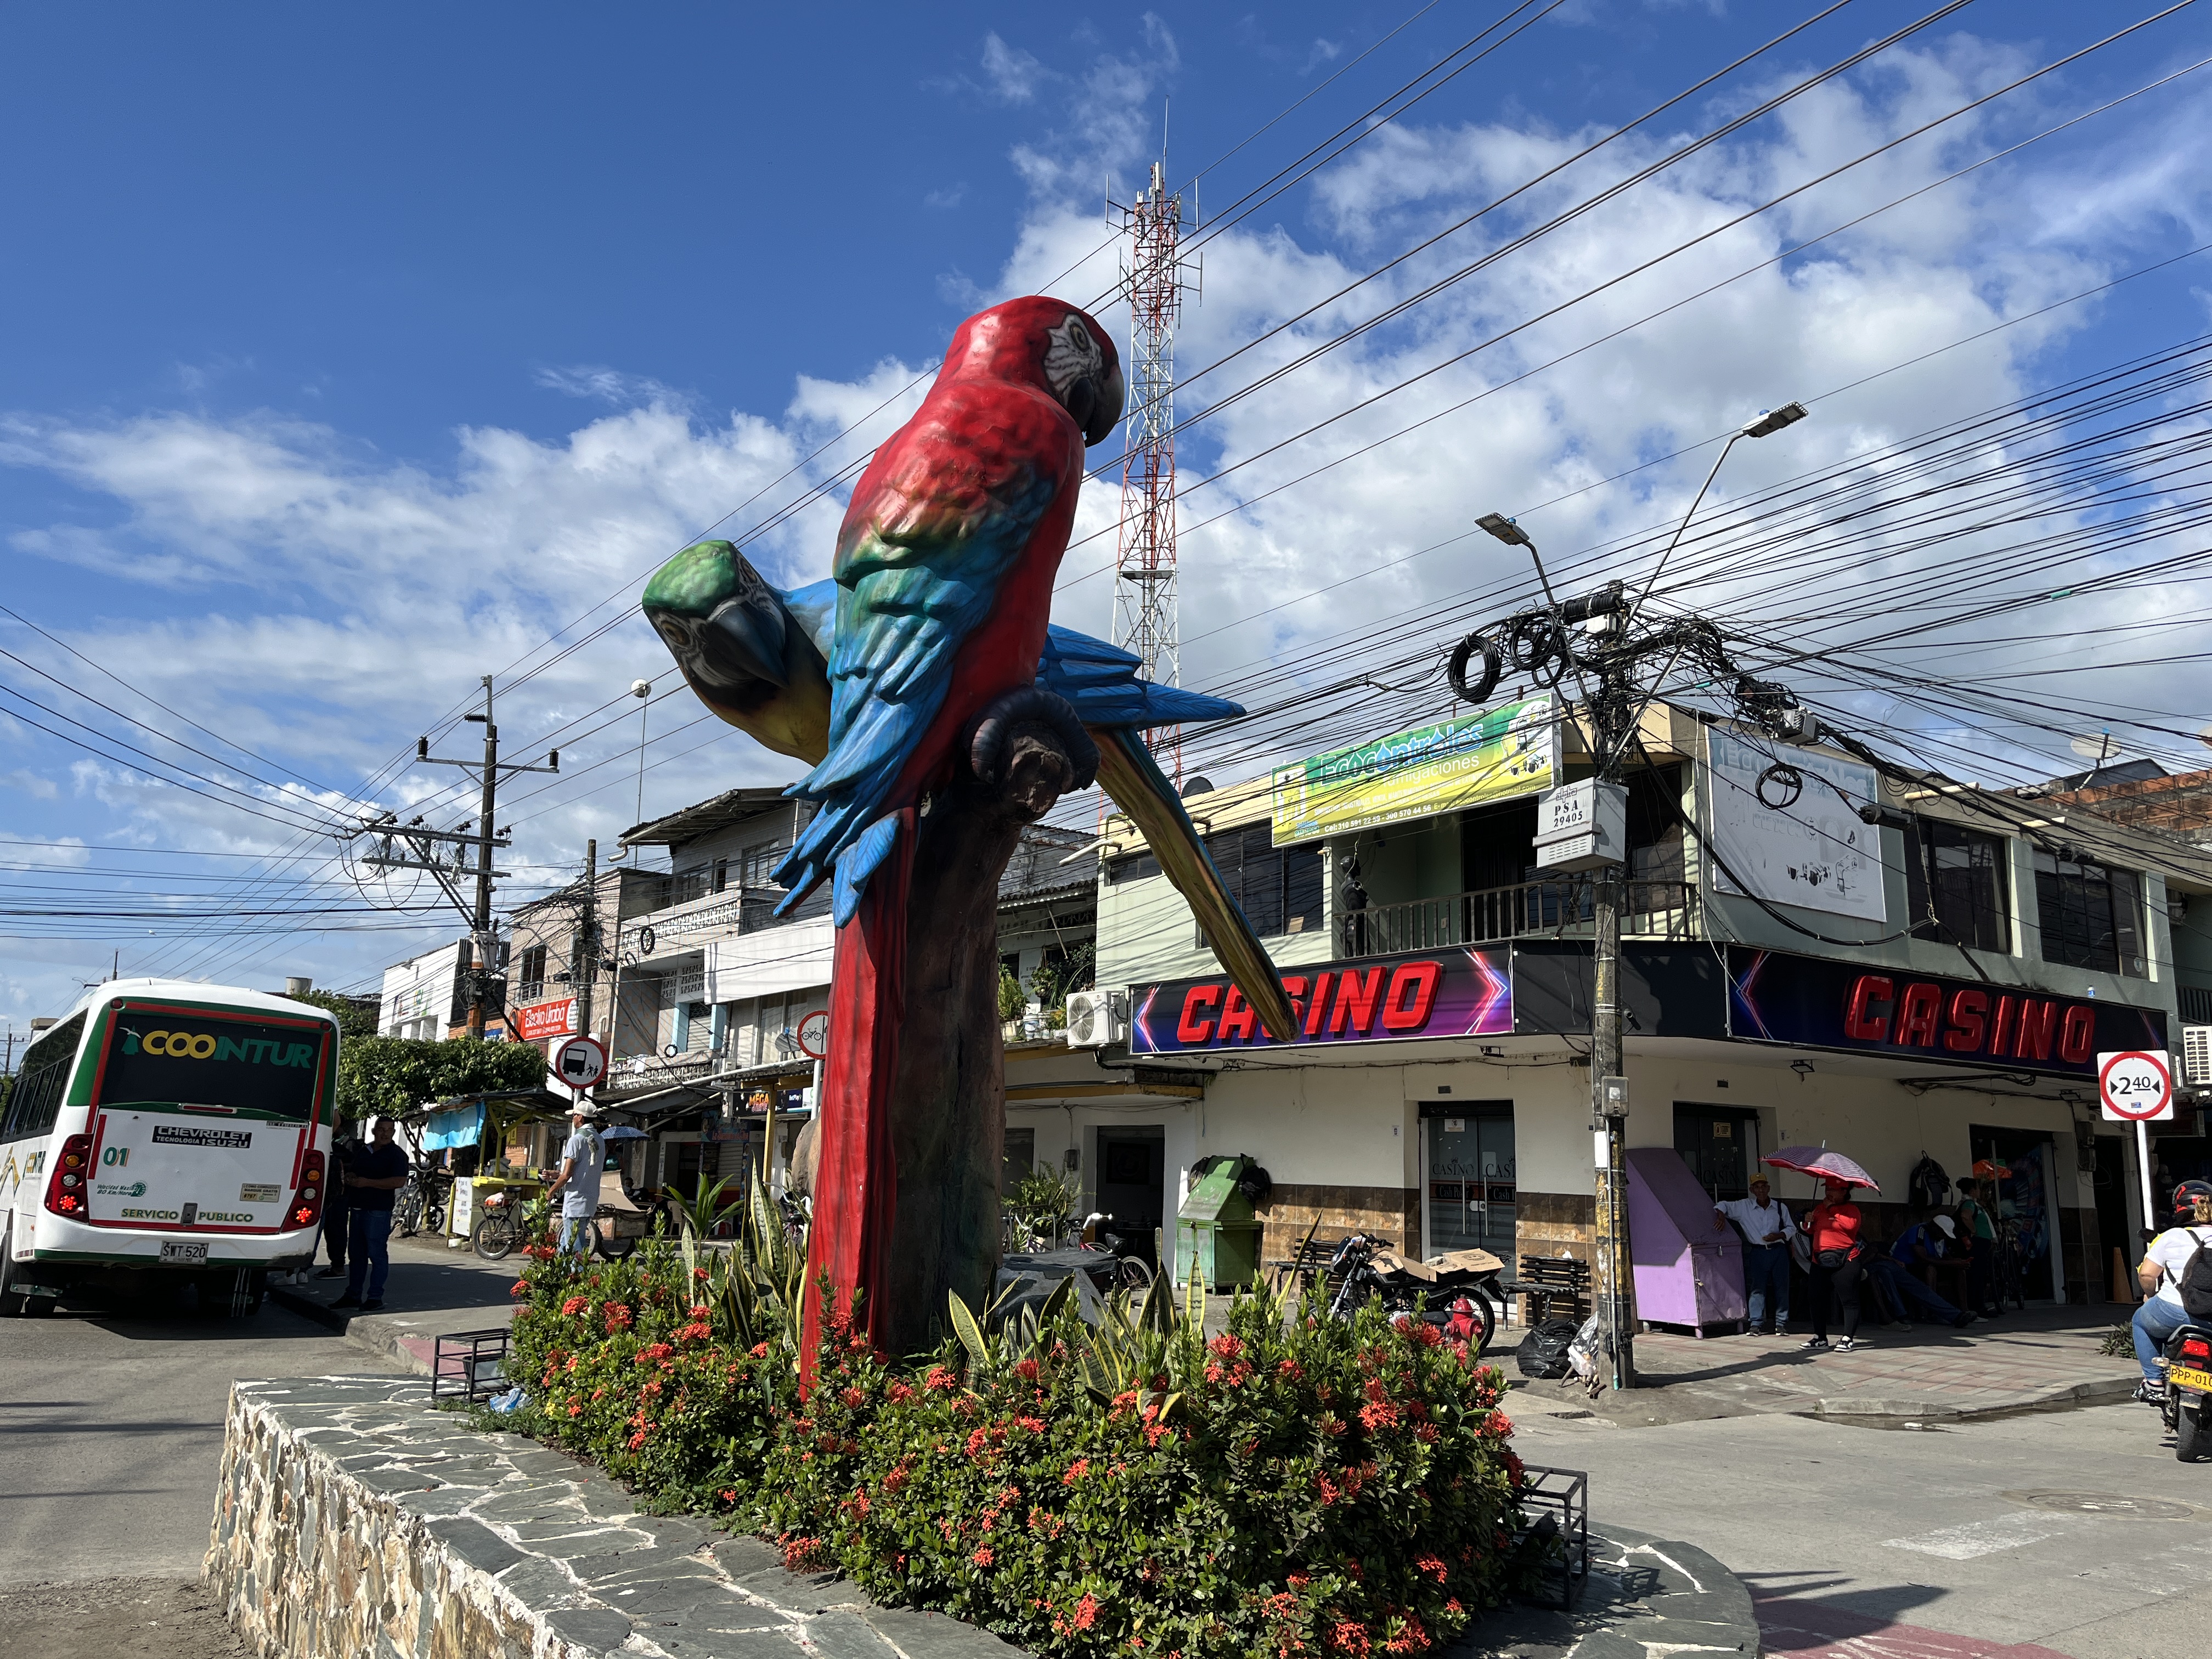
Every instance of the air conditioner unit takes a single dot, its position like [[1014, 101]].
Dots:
[[2197, 1056], [1095, 1018]]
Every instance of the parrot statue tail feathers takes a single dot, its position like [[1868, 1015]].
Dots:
[[1106, 685], [991, 748], [858, 862]]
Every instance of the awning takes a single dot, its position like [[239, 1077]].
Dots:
[[455, 1126]]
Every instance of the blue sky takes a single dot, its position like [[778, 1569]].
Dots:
[[351, 357]]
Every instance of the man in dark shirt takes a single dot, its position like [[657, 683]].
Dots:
[[374, 1177], [336, 1203]]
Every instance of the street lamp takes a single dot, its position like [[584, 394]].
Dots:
[[1768, 422]]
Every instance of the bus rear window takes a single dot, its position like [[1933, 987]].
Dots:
[[199, 1060]]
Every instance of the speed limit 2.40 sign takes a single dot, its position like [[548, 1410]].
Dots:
[[2135, 1086]]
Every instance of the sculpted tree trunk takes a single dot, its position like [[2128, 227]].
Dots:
[[948, 1102]]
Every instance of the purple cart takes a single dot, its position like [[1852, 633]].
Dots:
[[1685, 1273]]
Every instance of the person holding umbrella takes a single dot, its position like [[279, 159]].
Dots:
[[1834, 1229]]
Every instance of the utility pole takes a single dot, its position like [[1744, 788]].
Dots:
[[584, 950], [395, 838], [1584, 826]]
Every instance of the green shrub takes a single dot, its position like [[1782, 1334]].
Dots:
[[1297, 1487]]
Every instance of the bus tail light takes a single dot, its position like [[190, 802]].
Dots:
[[70, 1188], [307, 1202]]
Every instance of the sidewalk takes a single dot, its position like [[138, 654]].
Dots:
[[2044, 1358], [434, 1291]]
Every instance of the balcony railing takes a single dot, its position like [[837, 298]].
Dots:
[[1650, 909]]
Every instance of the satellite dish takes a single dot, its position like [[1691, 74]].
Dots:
[[2098, 746]]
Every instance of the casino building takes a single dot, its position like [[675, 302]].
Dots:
[[1940, 986]]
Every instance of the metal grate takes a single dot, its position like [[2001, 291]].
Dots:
[[1557, 1503], [468, 1365]]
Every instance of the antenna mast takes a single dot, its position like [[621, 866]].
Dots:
[[1153, 275]]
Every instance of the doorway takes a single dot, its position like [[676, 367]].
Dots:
[[1721, 1146], [1132, 1179], [1467, 1152], [2025, 1200]]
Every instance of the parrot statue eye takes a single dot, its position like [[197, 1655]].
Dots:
[[1070, 355]]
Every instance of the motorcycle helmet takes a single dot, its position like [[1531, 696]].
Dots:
[[2186, 1197]]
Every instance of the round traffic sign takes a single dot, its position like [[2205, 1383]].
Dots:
[[814, 1033], [580, 1063], [2135, 1084]]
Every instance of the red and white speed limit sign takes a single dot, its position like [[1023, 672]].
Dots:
[[2136, 1085]]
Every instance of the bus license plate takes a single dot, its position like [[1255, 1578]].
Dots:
[[2187, 1376], [185, 1255]]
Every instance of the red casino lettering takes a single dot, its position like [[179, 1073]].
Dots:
[[1967, 1022], [1357, 997], [2038, 1022], [1918, 1011], [2077, 1035], [2001, 1034], [1411, 996], [1238, 1015], [1200, 999], [1859, 1020], [1319, 1006]]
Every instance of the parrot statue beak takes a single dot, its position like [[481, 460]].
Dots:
[[740, 649], [1095, 402]]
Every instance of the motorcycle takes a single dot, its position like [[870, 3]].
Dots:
[[2188, 1391], [1454, 1292]]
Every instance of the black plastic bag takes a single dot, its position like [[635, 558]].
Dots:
[[1543, 1352]]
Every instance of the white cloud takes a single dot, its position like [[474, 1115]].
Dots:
[[329, 602], [36, 784], [1013, 74]]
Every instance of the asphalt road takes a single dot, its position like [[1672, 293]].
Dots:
[[111, 1431], [2073, 1533]]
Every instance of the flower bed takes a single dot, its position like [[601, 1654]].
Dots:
[[1295, 1486]]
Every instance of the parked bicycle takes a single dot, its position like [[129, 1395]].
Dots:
[[421, 1203]]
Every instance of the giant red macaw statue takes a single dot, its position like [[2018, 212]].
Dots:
[[932, 643]]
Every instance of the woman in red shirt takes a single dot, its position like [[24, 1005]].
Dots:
[[1834, 1228]]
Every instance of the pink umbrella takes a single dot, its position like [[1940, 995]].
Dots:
[[1821, 1162]]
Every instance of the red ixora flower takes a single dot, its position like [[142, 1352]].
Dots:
[[1432, 1564], [939, 1377], [618, 1317], [1086, 1611], [854, 1399], [983, 1557], [1026, 1370], [1226, 1346], [576, 1304], [1076, 1471]]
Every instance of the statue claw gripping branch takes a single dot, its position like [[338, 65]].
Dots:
[[940, 713]]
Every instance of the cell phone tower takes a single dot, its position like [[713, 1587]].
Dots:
[[1154, 273]]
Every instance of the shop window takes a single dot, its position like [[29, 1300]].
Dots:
[[1137, 866], [533, 973], [2091, 915], [756, 866], [1959, 875], [1498, 845], [1279, 887]]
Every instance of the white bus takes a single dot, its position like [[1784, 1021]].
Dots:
[[167, 1133]]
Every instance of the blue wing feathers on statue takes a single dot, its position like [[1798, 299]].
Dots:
[[1101, 682]]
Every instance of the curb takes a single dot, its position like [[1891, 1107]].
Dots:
[[2104, 1391], [375, 1333]]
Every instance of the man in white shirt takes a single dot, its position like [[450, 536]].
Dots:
[[1767, 1230], [578, 1181], [2159, 1274]]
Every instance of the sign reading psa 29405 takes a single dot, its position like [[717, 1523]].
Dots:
[[1814, 1002], [1442, 993]]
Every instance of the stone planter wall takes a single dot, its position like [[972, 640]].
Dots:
[[352, 1521]]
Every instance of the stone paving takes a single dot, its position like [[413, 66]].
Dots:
[[2043, 1358]]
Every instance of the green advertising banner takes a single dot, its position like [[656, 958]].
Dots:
[[1501, 752]]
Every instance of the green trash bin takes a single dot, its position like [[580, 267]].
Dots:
[[1217, 1230]]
